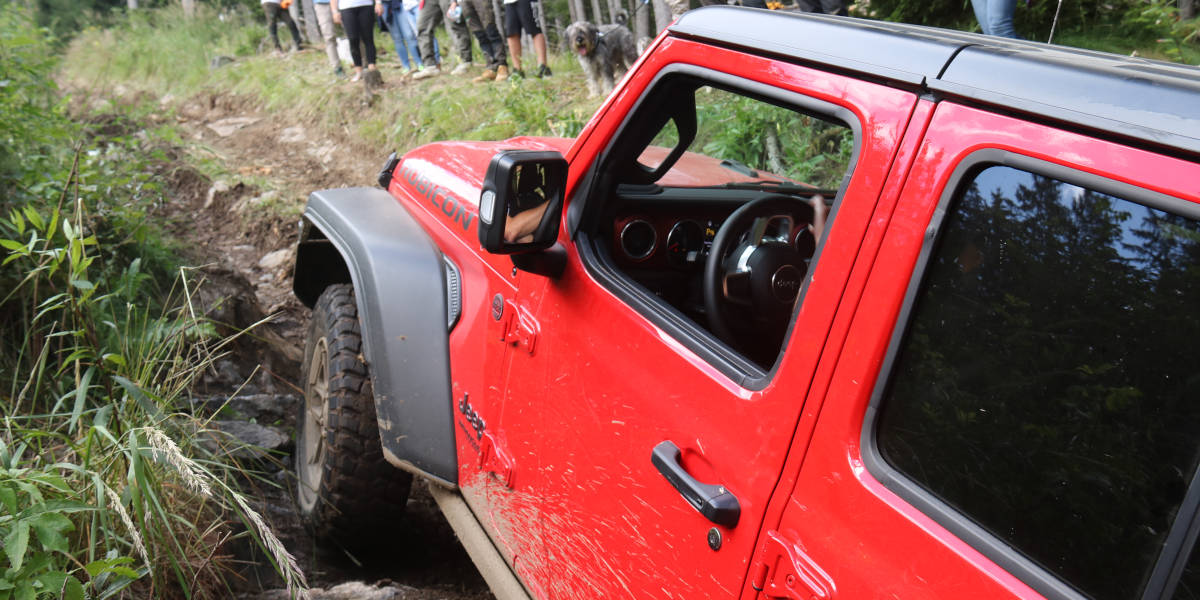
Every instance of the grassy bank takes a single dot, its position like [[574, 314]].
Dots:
[[162, 53], [105, 488]]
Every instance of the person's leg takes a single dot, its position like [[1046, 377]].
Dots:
[[428, 17], [488, 16], [460, 35], [325, 24], [272, 9], [512, 31], [354, 36], [981, 14], [393, 21], [291, 25], [407, 23], [366, 23], [529, 22], [1000, 18]]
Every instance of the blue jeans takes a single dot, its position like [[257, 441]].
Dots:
[[996, 17], [402, 25]]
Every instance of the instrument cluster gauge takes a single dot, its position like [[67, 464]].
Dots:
[[638, 239], [685, 243]]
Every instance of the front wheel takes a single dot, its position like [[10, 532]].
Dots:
[[346, 491]]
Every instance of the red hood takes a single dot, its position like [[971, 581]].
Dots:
[[443, 179]]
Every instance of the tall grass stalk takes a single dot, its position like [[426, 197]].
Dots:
[[105, 488]]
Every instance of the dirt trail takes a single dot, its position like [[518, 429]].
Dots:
[[244, 227]]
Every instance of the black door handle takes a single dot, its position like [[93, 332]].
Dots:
[[713, 501]]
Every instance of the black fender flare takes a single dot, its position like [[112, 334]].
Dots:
[[407, 296]]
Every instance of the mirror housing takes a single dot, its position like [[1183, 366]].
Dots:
[[518, 181]]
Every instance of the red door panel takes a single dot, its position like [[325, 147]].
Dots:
[[614, 386], [867, 540]]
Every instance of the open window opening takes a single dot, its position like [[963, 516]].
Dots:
[[712, 202]]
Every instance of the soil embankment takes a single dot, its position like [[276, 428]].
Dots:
[[242, 227]]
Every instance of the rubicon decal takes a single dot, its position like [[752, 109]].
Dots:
[[451, 206]]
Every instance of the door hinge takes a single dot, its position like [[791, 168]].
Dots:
[[782, 570], [520, 328], [495, 460]]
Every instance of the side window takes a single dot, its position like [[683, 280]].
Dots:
[[1046, 387], [717, 198]]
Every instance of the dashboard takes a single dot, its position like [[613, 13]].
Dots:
[[679, 237], [662, 237]]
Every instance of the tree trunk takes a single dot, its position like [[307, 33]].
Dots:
[[641, 20], [133, 4], [581, 10], [597, 16], [614, 9], [1187, 9], [189, 8], [662, 16]]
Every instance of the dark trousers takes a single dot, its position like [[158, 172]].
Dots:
[[274, 15], [359, 23]]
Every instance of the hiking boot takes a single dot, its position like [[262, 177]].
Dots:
[[461, 69], [486, 75], [544, 71], [427, 73], [501, 72], [517, 74]]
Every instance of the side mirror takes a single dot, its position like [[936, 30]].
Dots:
[[523, 193]]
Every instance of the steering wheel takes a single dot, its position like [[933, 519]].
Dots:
[[760, 274]]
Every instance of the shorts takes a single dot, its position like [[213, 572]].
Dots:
[[518, 15]]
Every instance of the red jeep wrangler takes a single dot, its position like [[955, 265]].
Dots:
[[975, 377]]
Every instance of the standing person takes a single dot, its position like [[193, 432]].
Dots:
[[996, 17], [404, 35], [329, 34], [429, 15], [410, 12], [518, 15], [358, 19], [482, 20], [274, 14]]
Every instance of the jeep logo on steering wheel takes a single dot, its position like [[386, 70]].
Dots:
[[785, 283]]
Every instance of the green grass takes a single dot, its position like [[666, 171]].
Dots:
[[105, 488], [163, 53]]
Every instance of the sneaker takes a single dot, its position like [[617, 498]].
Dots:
[[517, 74], [427, 73], [339, 72], [544, 71], [357, 76], [486, 75], [501, 72], [461, 68]]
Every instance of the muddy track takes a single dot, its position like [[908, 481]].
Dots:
[[243, 228]]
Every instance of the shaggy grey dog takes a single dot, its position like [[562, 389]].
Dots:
[[604, 51]]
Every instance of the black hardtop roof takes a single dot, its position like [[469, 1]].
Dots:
[[1153, 101]]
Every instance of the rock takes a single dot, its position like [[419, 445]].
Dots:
[[219, 61], [261, 408], [276, 259], [218, 187], [293, 135], [244, 440], [226, 127], [350, 590]]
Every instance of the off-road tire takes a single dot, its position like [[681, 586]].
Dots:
[[346, 492]]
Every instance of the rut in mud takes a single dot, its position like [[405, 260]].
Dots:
[[243, 228]]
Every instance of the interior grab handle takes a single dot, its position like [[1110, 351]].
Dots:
[[713, 501]]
